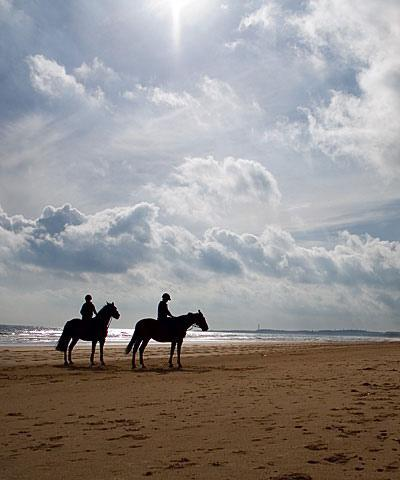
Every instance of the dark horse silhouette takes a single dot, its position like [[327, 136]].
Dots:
[[148, 328], [94, 330]]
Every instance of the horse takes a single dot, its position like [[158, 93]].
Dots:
[[94, 330], [160, 331]]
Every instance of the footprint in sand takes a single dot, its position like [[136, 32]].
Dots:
[[316, 446], [293, 476], [181, 463], [339, 458]]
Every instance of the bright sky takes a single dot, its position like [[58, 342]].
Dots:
[[242, 156]]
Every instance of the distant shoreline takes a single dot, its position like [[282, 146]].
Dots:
[[346, 332]]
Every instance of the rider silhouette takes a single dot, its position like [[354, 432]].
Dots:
[[163, 312], [88, 308]]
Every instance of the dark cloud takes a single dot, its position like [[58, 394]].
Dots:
[[119, 239], [55, 220]]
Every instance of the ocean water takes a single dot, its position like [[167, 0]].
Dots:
[[44, 336]]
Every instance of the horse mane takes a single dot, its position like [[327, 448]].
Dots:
[[180, 317], [101, 311]]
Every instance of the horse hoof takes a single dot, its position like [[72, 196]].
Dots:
[[171, 365], [66, 364], [179, 366]]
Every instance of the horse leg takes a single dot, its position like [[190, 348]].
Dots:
[[71, 346], [141, 350], [94, 342], [171, 353], [65, 357], [179, 352], [135, 348], [101, 352]]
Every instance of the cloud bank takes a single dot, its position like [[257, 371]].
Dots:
[[133, 241]]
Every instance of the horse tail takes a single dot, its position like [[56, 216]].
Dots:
[[130, 344], [63, 342]]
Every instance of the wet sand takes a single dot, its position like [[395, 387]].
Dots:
[[248, 411]]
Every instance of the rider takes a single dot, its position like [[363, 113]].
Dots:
[[88, 308], [163, 312]]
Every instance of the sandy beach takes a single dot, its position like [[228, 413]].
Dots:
[[248, 411]]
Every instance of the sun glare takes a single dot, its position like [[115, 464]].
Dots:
[[180, 13], [176, 8]]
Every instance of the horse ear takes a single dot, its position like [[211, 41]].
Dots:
[[199, 311], [112, 303], [108, 303]]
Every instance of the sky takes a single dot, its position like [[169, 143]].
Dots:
[[243, 156]]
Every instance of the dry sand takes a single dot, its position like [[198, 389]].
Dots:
[[252, 411]]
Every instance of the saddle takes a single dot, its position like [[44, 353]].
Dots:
[[170, 327]]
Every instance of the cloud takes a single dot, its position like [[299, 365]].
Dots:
[[116, 240], [355, 52], [365, 125], [50, 78], [264, 17], [172, 99], [10, 15], [353, 261], [358, 275], [96, 73], [209, 191], [55, 220]]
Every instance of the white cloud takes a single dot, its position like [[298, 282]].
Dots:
[[364, 125], [354, 260], [50, 78], [95, 73], [172, 99], [357, 120], [264, 17], [229, 192], [235, 44]]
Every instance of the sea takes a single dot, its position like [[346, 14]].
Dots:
[[20, 335]]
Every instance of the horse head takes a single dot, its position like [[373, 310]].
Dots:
[[200, 321], [112, 310]]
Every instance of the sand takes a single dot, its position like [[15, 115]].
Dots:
[[252, 411]]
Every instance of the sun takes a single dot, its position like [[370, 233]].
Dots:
[[180, 13]]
